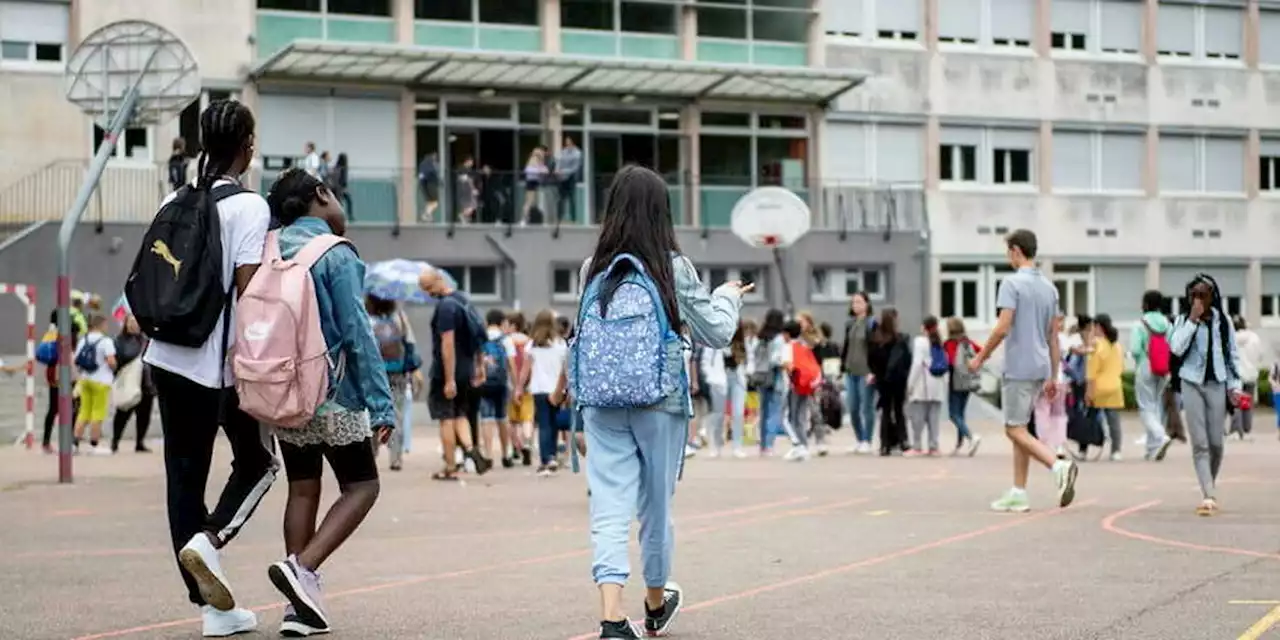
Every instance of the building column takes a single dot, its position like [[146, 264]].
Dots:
[[1045, 153], [1252, 24], [930, 15], [688, 32], [935, 286], [1252, 172], [249, 98], [407, 203], [817, 40], [1040, 41], [73, 26], [1253, 289], [402, 10], [1153, 274], [932, 159], [1149, 22], [550, 21], [813, 164], [1151, 170], [691, 129]]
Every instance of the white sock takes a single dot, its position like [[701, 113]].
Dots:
[[1017, 491], [1059, 465]]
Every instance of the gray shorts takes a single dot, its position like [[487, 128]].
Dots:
[[1018, 398]]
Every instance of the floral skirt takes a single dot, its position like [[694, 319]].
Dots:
[[332, 425]]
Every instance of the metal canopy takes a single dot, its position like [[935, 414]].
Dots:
[[452, 68]]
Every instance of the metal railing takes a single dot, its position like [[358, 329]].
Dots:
[[126, 193]]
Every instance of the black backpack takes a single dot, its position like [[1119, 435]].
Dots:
[[175, 288]]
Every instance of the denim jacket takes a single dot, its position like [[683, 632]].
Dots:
[[1190, 341], [712, 317], [339, 280]]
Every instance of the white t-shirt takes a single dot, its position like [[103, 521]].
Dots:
[[105, 348], [1067, 342], [547, 363], [244, 218], [311, 164]]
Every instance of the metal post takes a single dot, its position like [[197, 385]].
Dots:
[[926, 257], [68, 229]]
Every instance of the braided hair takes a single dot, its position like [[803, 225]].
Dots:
[[226, 128], [291, 196]]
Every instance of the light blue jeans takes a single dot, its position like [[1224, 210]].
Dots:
[[1149, 391], [861, 400], [772, 406], [632, 466], [737, 390]]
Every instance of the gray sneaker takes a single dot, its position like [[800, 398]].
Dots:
[[301, 588]]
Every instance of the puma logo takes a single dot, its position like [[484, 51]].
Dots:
[[161, 249]]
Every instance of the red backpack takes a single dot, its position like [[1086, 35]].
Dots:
[[1158, 352], [806, 374]]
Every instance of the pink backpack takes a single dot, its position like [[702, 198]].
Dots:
[[280, 358]]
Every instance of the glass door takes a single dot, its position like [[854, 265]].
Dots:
[[606, 160]]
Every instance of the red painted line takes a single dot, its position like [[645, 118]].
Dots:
[[1109, 525], [1014, 521]]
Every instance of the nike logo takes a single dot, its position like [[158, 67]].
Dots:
[[257, 331]]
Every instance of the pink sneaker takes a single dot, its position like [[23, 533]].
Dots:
[[934, 453], [912, 453]]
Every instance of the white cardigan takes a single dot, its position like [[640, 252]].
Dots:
[[923, 386]]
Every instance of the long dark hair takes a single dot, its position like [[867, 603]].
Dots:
[[931, 330], [738, 345], [1108, 328], [886, 330], [866, 299], [226, 129], [637, 220], [773, 324]]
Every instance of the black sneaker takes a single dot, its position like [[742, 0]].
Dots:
[[294, 626], [658, 623], [625, 630], [507, 462], [526, 457], [482, 463]]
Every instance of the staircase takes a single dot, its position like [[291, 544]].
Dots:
[[125, 193]]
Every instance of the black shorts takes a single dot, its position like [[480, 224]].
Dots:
[[350, 463], [463, 405]]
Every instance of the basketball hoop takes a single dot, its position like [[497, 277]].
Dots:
[[126, 73], [768, 241], [770, 218]]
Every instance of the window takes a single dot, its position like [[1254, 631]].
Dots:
[[725, 160], [1096, 26], [773, 20], [1098, 161], [716, 276], [722, 22], [844, 21], [479, 281], [1269, 37], [1269, 165], [1011, 166], [838, 284], [34, 32], [1011, 22], [453, 10], [1270, 305], [780, 26], [508, 11], [134, 144], [783, 161], [586, 14], [1201, 164], [647, 17], [1007, 155], [897, 20], [290, 5], [1206, 33], [1075, 289], [1001, 23], [360, 7], [960, 293], [959, 162], [564, 284]]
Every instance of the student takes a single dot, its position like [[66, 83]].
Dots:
[[194, 386], [716, 378], [95, 365], [735, 367], [1104, 393], [451, 394], [1028, 305], [926, 389], [400, 361], [1274, 377], [960, 350], [359, 405], [799, 396], [51, 379], [1251, 353], [766, 376], [1148, 387], [889, 359], [858, 382], [636, 451], [495, 393], [130, 344], [520, 409], [545, 358], [1209, 369]]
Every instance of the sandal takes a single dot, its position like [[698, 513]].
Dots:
[[1208, 507], [447, 475]]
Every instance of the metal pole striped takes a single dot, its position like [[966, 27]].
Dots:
[[27, 294]]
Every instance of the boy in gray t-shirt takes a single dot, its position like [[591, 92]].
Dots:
[[1028, 305]]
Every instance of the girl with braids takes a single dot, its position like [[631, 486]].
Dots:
[[360, 396], [193, 384], [636, 453]]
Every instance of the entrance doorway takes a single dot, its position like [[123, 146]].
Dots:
[[612, 151], [482, 169]]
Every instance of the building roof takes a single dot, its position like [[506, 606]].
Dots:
[[540, 72]]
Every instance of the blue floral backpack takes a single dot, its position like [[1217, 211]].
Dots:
[[618, 359]]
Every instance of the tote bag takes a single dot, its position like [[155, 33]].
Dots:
[[126, 393]]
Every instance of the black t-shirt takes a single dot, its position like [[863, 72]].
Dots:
[[452, 315]]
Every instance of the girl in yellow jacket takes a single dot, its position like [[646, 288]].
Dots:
[[1104, 393]]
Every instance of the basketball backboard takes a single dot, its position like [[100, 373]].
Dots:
[[122, 56], [770, 217]]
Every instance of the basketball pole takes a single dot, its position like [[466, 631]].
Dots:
[[119, 120]]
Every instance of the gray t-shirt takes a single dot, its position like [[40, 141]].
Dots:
[[1034, 301]]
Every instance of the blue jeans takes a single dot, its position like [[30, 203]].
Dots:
[[772, 403], [957, 402], [861, 400], [544, 415], [737, 392], [632, 468]]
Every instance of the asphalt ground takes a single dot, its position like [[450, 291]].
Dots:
[[835, 548]]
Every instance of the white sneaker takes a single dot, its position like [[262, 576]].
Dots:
[[1064, 477], [739, 454], [220, 624], [200, 559], [822, 451], [864, 448], [714, 453], [797, 454], [689, 451], [854, 449], [1116, 457], [974, 443], [100, 450]]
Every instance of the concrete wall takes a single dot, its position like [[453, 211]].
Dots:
[[101, 262], [39, 125]]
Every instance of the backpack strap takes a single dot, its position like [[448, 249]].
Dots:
[[224, 191], [316, 247]]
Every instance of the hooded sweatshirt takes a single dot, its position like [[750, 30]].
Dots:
[[1140, 336]]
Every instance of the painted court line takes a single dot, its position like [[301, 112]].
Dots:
[[144, 551], [1013, 521], [1109, 525], [502, 566], [1262, 626]]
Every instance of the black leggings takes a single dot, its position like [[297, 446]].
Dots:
[[893, 421], [143, 412], [51, 414]]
